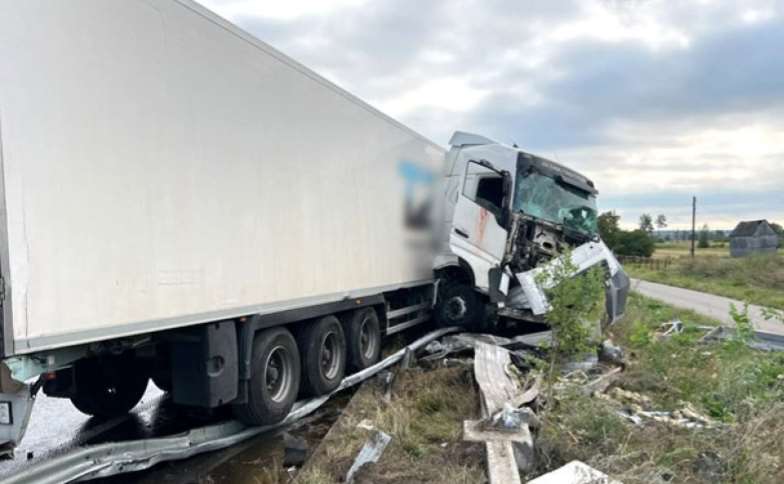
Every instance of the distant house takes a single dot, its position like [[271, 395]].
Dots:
[[753, 237]]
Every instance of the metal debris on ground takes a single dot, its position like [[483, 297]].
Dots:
[[760, 340], [637, 408], [575, 472], [592, 380], [366, 424], [585, 364], [110, 459], [409, 360], [370, 453], [531, 391], [670, 328], [611, 353], [467, 341], [295, 452], [387, 378]]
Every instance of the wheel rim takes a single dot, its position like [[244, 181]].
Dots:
[[367, 341], [455, 308], [277, 377], [330, 355]]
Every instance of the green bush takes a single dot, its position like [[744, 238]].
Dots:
[[634, 243]]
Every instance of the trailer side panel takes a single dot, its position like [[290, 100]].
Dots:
[[163, 169]]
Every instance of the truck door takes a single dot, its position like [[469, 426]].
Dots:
[[477, 235]]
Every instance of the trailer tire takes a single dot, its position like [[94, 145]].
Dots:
[[458, 305], [107, 388], [322, 347], [363, 338], [274, 378]]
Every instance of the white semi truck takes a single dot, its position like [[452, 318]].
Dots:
[[180, 202]]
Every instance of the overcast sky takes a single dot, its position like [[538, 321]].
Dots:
[[654, 100]]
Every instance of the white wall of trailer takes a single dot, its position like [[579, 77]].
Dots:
[[162, 167]]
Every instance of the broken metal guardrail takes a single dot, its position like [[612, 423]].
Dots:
[[104, 460]]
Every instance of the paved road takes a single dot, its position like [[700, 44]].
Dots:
[[715, 307]]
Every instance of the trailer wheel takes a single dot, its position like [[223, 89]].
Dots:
[[322, 347], [108, 387], [363, 337], [458, 305], [274, 379]]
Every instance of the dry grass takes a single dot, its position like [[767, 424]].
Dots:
[[678, 249], [739, 387], [424, 418]]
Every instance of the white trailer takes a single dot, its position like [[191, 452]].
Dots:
[[162, 169]]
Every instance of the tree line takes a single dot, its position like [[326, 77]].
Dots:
[[641, 242]]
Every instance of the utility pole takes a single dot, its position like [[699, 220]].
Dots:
[[693, 223]]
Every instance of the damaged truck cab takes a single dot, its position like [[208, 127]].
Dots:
[[506, 217]]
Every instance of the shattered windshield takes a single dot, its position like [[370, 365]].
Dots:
[[543, 197]]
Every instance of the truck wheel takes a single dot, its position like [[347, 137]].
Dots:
[[274, 379], [363, 337], [108, 387], [322, 346], [458, 305]]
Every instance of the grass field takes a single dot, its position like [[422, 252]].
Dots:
[[756, 279], [739, 387], [678, 249]]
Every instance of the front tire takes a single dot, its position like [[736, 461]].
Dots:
[[274, 379], [108, 387], [458, 305]]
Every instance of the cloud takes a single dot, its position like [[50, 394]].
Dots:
[[655, 100]]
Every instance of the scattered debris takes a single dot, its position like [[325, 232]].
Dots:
[[712, 334], [601, 383], [669, 328], [387, 378], [467, 341], [103, 460], [295, 452], [636, 409], [575, 472], [531, 392], [760, 340], [626, 396], [370, 453], [409, 359], [584, 365], [709, 466], [366, 424], [612, 354]]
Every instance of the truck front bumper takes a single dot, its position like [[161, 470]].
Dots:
[[583, 258]]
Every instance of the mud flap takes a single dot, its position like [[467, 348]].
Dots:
[[16, 405], [583, 257]]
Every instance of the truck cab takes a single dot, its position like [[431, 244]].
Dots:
[[506, 215]]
